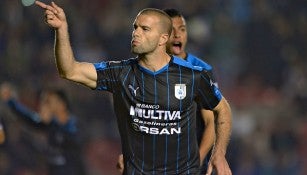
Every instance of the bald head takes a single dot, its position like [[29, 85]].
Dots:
[[165, 21]]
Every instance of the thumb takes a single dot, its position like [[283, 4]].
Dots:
[[209, 169]]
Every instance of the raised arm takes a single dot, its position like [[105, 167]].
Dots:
[[223, 131], [68, 67]]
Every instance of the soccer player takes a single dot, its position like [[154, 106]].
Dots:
[[205, 118], [54, 116], [154, 94]]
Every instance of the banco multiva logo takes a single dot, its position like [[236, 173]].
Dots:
[[152, 120]]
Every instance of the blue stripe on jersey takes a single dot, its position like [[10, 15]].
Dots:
[[192, 92], [143, 88], [166, 136], [154, 137], [195, 61], [178, 138]]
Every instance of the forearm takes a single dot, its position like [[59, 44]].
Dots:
[[223, 128], [208, 136], [64, 57], [206, 142], [68, 67]]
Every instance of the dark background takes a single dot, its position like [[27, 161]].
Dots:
[[257, 48]]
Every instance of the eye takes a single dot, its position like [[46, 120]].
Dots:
[[134, 27], [183, 29], [146, 28]]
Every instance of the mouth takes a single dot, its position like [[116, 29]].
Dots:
[[177, 45], [134, 42], [176, 48]]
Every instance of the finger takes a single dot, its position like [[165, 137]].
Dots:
[[56, 7], [49, 17], [45, 6], [49, 12], [209, 169], [41, 4]]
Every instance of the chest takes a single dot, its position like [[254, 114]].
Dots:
[[171, 90]]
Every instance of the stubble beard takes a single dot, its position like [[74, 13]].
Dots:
[[138, 50]]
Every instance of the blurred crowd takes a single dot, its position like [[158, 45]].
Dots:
[[257, 48]]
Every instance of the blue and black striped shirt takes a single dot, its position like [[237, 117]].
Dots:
[[156, 113]]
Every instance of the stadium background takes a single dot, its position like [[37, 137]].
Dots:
[[257, 47]]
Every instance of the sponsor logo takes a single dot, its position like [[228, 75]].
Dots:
[[154, 114], [152, 120], [156, 131]]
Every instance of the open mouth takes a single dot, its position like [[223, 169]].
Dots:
[[176, 47], [177, 44]]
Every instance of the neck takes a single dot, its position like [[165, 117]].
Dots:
[[154, 62], [182, 55]]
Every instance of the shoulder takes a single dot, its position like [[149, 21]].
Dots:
[[184, 63], [198, 62], [110, 64]]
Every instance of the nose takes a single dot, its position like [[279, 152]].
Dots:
[[135, 32], [176, 33]]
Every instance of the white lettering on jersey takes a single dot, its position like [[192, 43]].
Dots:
[[152, 120], [154, 114], [157, 131]]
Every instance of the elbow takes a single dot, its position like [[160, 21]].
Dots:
[[66, 72], [63, 74]]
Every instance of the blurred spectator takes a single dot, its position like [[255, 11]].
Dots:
[[55, 117]]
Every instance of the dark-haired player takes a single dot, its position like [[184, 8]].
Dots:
[[205, 118]]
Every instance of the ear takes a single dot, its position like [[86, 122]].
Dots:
[[163, 39]]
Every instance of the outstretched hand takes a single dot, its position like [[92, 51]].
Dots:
[[54, 15]]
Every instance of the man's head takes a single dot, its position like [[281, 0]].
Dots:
[[179, 37], [152, 28], [52, 101]]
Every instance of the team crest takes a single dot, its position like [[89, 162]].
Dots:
[[180, 91]]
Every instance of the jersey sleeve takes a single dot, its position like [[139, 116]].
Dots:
[[107, 75], [208, 94], [24, 112], [111, 73]]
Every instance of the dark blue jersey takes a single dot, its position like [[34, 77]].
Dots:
[[200, 126], [195, 61], [156, 113]]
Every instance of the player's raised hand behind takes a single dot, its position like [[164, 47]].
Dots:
[[54, 15]]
